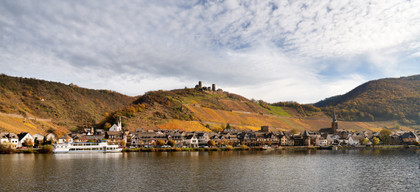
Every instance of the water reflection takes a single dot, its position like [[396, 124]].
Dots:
[[314, 170]]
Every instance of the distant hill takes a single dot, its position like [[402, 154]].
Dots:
[[379, 100], [50, 105], [199, 110]]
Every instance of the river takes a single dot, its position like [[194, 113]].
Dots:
[[349, 170]]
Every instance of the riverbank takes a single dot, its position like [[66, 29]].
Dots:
[[48, 149], [43, 149], [291, 148]]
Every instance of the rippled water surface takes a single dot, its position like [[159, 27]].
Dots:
[[368, 170]]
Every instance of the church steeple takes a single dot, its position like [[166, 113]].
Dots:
[[119, 123], [334, 117]]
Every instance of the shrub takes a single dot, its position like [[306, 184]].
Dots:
[[211, 149], [229, 148], [172, 143], [148, 149], [160, 143], [6, 149], [29, 150], [47, 149], [244, 147]]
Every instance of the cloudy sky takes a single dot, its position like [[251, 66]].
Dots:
[[271, 50]]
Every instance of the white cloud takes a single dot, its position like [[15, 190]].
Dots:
[[282, 49]]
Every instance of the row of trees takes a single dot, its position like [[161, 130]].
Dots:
[[384, 136]]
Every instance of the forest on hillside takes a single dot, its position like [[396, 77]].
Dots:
[[379, 100]]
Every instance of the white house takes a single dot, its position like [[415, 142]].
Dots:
[[51, 137], [191, 140], [322, 142], [65, 139], [13, 139], [23, 137], [4, 138], [352, 141]]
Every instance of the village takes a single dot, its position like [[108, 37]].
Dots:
[[228, 137]]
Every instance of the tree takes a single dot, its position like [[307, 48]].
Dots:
[[375, 141], [228, 126], [107, 125], [385, 136], [172, 143], [28, 142], [211, 143], [36, 142], [294, 131], [229, 148], [160, 143], [364, 141], [122, 143]]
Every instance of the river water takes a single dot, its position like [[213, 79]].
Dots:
[[351, 170]]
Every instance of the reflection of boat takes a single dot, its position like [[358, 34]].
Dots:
[[101, 147]]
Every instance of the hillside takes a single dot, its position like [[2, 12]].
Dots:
[[380, 100], [198, 110], [38, 106]]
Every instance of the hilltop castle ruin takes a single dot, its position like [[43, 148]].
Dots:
[[200, 86]]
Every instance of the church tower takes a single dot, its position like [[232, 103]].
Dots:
[[334, 124]]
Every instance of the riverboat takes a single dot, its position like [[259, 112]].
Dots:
[[86, 147]]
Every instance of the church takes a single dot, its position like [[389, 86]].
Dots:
[[116, 127], [333, 129]]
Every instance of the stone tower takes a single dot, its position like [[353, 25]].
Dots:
[[213, 87], [200, 84], [334, 124]]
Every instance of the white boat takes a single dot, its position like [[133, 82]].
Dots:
[[87, 147]]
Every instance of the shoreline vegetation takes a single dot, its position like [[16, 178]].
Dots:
[[48, 149]]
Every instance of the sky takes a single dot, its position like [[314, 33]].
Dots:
[[298, 50]]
